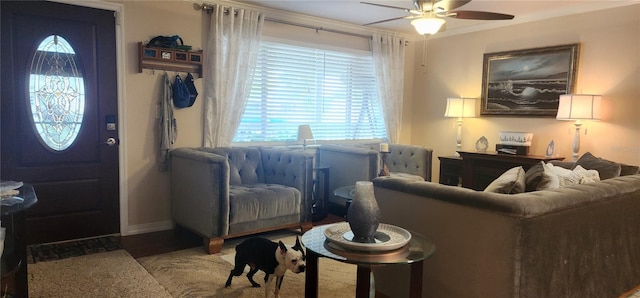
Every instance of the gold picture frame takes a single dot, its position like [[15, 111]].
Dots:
[[528, 83]]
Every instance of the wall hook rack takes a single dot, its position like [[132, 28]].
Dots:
[[169, 59]]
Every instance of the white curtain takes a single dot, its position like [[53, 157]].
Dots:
[[230, 57], [388, 56]]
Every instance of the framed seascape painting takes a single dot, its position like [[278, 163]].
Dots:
[[528, 83]]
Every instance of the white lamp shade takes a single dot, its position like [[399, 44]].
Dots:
[[427, 25], [579, 106], [304, 132], [460, 108]]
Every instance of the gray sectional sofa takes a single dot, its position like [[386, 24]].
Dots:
[[577, 241]]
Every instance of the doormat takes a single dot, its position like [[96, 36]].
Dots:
[[62, 250]]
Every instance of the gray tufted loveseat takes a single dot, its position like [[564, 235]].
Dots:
[[406, 161], [227, 192], [361, 162]]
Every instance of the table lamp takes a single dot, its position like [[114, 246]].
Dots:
[[460, 108], [578, 107], [304, 134]]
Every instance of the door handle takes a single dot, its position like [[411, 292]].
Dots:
[[111, 142]]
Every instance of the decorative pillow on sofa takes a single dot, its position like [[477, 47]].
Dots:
[[585, 176], [551, 176], [510, 182], [606, 168], [629, 170], [556, 177], [533, 177]]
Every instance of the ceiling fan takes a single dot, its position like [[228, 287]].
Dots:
[[427, 15]]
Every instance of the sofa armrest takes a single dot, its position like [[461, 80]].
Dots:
[[200, 191], [348, 164], [291, 168]]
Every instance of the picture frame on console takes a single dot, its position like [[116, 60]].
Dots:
[[528, 83]]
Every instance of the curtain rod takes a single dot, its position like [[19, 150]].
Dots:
[[208, 9], [318, 28]]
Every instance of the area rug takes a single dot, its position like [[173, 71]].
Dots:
[[106, 274], [193, 273]]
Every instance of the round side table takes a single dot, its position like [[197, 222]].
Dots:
[[413, 254]]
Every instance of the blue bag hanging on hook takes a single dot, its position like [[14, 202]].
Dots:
[[193, 93], [181, 96]]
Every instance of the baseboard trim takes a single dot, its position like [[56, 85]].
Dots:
[[149, 227]]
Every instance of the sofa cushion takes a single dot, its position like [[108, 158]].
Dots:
[[533, 177], [510, 182], [262, 201], [550, 177], [245, 165], [629, 170], [556, 177], [406, 176], [606, 168]]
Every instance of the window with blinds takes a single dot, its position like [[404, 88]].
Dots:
[[334, 92]]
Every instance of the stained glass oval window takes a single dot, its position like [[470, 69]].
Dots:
[[56, 93]]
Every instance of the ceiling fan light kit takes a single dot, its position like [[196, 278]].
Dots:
[[427, 17], [427, 25]]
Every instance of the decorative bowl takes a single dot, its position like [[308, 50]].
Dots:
[[516, 138]]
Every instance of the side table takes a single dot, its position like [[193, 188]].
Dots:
[[320, 193], [413, 254], [450, 170], [14, 257]]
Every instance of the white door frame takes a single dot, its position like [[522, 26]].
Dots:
[[118, 9]]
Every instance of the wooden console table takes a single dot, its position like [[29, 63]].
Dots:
[[479, 169]]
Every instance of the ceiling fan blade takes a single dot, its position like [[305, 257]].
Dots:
[[387, 6], [448, 5], [478, 15], [387, 20]]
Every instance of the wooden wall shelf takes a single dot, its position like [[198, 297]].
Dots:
[[169, 59]]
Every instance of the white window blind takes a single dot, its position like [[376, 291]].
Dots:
[[334, 92]]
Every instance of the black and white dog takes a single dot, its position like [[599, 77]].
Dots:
[[272, 258]]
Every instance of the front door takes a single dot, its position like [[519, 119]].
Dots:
[[59, 116]]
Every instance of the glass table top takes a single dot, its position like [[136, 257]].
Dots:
[[418, 249], [346, 192]]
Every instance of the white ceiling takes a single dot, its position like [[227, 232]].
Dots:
[[354, 12]]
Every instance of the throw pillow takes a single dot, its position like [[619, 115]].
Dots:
[[628, 170], [550, 177], [556, 177], [606, 168], [585, 176], [533, 177], [510, 182]]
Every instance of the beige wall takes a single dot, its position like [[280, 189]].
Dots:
[[608, 65], [148, 187]]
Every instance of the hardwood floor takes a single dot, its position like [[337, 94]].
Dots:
[[149, 244], [156, 243]]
